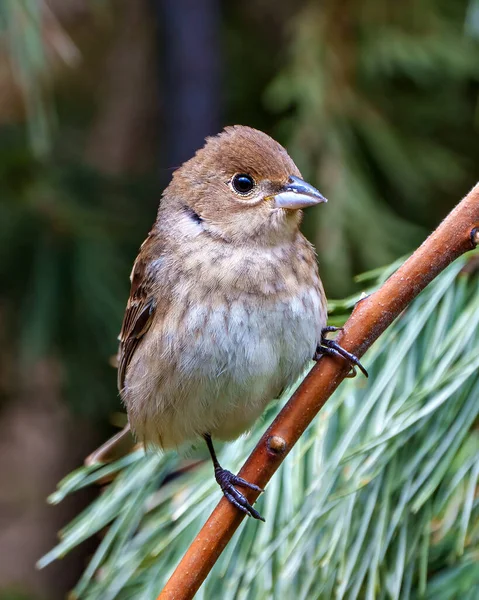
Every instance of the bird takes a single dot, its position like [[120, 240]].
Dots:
[[226, 306]]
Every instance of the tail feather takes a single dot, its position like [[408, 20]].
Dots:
[[119, 445]]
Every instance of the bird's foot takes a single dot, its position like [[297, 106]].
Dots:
[[332, 348], [227, 482]]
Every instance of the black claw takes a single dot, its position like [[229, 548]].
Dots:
[[227, 481], [244, 483], [329, 329], [332, 348], [234, 502]]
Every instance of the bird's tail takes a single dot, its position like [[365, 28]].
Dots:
[[119, 445]]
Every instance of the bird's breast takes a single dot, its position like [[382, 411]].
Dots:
[[247, 312], [249, 322], [228, 341]]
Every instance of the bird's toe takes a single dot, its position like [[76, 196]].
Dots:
[[227, 482]]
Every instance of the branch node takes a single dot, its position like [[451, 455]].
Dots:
[[277, 445]]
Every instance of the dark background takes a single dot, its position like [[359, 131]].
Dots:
[[100, 100]]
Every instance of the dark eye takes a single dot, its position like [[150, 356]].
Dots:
[[242, 183]]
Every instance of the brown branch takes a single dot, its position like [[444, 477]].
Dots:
[[457, 234]]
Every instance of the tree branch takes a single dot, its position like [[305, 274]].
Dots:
[[457, 234]]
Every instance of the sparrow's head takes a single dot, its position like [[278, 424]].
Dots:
[[242, 186]]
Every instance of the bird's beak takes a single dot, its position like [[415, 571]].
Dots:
[[297, 194]]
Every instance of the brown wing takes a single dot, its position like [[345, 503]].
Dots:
[[139, 311]]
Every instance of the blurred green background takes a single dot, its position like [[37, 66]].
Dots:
[[377, 102]]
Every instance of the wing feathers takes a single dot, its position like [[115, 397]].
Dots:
[[140, 309]]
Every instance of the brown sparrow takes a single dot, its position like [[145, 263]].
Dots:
[[226, 306]]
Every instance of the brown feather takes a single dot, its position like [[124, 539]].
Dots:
[[139, 310]]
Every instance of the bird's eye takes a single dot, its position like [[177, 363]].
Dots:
[[242, 183]]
